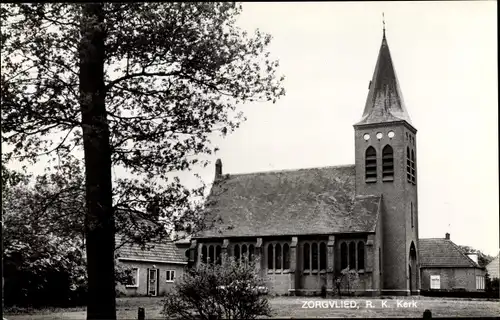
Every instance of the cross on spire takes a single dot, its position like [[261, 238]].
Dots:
[[383, 23]]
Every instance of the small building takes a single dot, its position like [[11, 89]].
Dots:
[[443, 266], [154, 268], [493, 268]]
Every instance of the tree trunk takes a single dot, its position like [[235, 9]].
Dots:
[[99, 219]]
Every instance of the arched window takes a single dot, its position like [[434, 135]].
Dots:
[[361, 255], [343, 255], [307, 258], [286, 256], [387, 163], [314, 259], [278, 256], [408, 164], [270, 256], [204, 254], [251, 252], [370, 165], [322, 256], [413, 180], [237, 252], [211, 254], [244, 252], [218, 251], [411, 214], [352, 255]]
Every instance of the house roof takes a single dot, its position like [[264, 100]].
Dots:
[[385, 101], [165, 252], [439, 252], [289, 202]]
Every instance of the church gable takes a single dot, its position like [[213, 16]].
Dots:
[[296, 202]]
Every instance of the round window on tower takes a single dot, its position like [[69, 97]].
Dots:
[[379, 135], [366, 136], [391, 134]]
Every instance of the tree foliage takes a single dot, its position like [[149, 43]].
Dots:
[[230, 290], [174, 74], [137, 86], [43, 241], [482, 258]]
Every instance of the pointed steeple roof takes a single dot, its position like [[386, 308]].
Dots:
[[384, 102]]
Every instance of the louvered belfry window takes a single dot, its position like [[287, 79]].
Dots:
[[413, 180], [387, 164], [408, 165], [370, 165]]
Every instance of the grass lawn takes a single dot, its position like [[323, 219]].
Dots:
[[292, 307]]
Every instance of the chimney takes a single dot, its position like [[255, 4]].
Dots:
[[473, 257], [447, 236], [218, 169]]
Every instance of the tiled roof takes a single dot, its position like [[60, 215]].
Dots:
[[165, 251], [439, 252], [385, 101], [290, 202]]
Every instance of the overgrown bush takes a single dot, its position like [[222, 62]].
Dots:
[[345, 282], [230, 290]]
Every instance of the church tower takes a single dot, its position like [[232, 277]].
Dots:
[[386, 157]]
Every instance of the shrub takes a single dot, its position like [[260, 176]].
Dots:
[[230, 290]]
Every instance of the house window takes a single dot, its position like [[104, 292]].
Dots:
[[322, 256], [352, 255], [370, 165], [170, 275], [278, 256], [435, 282], [343, 255], [387, 164], [480, 282], [270, 256], [134, 278], [361, 255], [314, 256], [307, 259], [286, 256]]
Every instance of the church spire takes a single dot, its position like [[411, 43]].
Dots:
[[385, 101]]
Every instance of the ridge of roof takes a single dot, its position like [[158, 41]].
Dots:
[[429, 257], [289, 170]]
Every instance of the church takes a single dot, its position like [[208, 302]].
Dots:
[[305, 226]]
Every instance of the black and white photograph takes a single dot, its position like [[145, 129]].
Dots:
[[249, 160]]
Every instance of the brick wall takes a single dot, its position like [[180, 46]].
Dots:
[[142, 288], [451, 278]]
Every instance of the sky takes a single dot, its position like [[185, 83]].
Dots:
[[445, 56]]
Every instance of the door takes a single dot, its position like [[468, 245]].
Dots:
[[153, 282]]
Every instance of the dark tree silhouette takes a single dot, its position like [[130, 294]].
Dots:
[[141, 86]]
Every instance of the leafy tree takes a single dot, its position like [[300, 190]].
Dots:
[[43, 241], [141, 86], [482, 258], [230, 290]]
